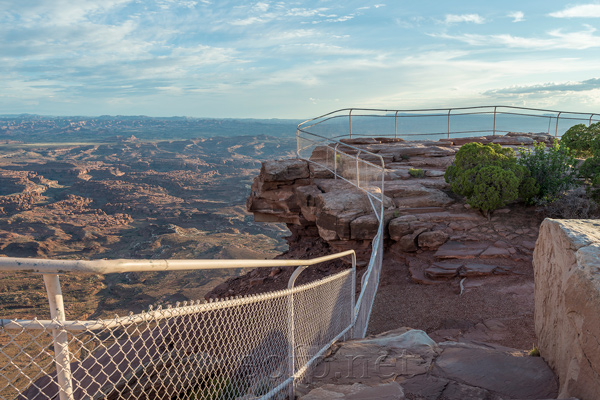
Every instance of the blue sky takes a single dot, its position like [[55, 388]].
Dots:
[[294, 59]]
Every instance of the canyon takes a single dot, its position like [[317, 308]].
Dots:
[[129, 199]]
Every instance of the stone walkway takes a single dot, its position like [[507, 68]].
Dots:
[[408, 364]]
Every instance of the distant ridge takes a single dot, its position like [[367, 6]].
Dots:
[[31, 128]]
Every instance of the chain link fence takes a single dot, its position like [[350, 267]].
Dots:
[[365, 171], [243, 348]]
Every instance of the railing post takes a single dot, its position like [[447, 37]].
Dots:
[[449, 111], [556, 131], [350, 122], [396, 125], [298, 143], [61, 340], [353, 294], [494, 131], [291, 328], [357, 170], [591, 115], [335, 155]]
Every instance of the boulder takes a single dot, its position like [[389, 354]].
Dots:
[[408, 242], [432, 240], [365, 227], [566, 263], [400, 226]]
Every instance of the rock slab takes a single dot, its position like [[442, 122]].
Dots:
[[407, 362]]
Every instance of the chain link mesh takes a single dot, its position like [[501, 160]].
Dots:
[[242, 348], [365, 171]]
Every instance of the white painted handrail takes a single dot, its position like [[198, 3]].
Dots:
[[44, 266]]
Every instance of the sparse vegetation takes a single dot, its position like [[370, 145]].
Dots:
[[573, 204], [534, 352], [552, 170], [416, 172]]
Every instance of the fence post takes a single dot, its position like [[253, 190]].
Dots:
[[350, 122], [335, 156], [591, 115], [353, 295], [396, 125], [494, 132], [298, 143], [291, 328], [556, 131], [449, 111], [357, 170], [61, 341]]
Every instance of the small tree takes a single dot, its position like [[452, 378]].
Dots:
[[488, 176]]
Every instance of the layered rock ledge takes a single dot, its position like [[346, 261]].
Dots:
[[567, 303], [431, 229]]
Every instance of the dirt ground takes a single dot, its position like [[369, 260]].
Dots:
[[497, 309]]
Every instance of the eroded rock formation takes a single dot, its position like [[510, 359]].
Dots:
[[433, 230]]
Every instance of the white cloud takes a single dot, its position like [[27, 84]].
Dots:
[[249, 21], [557, 40], [305, 12], [517, 16], [454, 18], [579, 11], [61, 12], [582, 86], [261, 7]]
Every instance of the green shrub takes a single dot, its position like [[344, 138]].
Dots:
[[416, 172], [582, 140], [591, 167], [488, 176], [476, 154], [590, 171], [552, 170], [472, 155], [493, 187]]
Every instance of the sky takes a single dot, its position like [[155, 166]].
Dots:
[[294, 59]]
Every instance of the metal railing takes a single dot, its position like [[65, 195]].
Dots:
[[365, 171], [321, 141], [250, 347], [448, 122]]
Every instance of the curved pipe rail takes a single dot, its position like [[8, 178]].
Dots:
[[44, 266], [351, 113]]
